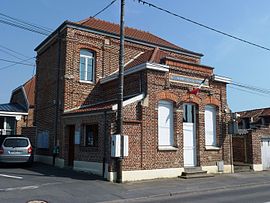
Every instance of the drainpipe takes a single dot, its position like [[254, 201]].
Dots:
[[105, 142], [55, 150]]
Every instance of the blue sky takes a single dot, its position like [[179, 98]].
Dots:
[[247, 19]]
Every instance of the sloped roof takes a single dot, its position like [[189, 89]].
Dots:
[[29, 88], [12, 108], [152, 56], [87, 109], [131, 33]]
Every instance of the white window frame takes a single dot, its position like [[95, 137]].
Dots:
[[210, 134], [169, 137], [87, 58]]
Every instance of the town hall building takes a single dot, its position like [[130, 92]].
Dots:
[[175, 108]]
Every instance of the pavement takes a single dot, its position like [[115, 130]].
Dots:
[[44, 182]]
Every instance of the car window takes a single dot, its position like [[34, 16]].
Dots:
[[16, 143]]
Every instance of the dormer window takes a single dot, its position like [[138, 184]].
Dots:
[[87, 65]]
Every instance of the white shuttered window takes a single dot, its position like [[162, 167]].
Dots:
[[210, 125], [165, 123]]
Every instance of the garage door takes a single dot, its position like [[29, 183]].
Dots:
[[266, 153]]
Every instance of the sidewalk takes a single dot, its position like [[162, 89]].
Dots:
[[169, 187]]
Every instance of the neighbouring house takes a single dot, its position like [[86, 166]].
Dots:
[[252, 143], [19, 112], [169, 126]]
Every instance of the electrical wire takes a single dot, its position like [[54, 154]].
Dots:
[[203, 25], [250, 92], [16, 63], [252, 88], [27, 23], [13, 51], [22, 27], [105, 8]]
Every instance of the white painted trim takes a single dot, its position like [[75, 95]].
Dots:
[[129, 101], [212, 148], [133, 58], [223, 79], [111, 176], [92, 167], [150, 66], [6, 113], [167, 148], [257, 167], [150, 174]]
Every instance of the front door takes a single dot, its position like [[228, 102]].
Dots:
[[189, 131], [265, 149]]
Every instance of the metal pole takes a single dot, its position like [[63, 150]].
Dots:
[[121, 93]]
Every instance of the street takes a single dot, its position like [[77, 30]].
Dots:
[[43, 182]]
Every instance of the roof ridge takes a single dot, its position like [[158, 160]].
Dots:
[[257, 109]]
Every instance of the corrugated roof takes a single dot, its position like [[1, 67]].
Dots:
[[12, 108]]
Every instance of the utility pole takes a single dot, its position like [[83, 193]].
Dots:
[[121, 93]]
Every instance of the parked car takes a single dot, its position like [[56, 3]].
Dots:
[[16, 150]]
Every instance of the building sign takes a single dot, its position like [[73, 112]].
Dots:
[[188, 80]]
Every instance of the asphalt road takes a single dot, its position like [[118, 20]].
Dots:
[[42, 182], [252, 194]]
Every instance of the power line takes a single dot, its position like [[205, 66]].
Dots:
[[16, 52], [12, 19], [6, 52], [105, 8], [203, 25], [252, 88], [16, 62], [22, 27], [250, 92]]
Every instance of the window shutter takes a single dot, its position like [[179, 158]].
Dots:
[[210, 125], [165, 123]]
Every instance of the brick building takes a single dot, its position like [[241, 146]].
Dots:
[[168, 128], [252, 144], [19, 112]]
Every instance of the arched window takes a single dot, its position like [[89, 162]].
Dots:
[[210, 125], [165, 123], [87, 65]]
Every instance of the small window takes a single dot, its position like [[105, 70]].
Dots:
[[91, 135], [87, 65], [188, 113]]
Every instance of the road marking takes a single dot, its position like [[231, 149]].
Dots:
[[30, 187], [8, 176]]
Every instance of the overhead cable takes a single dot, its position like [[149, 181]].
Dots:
[[203, 25]]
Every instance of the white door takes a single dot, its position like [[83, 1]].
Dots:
[[189, 132], [265, 149]]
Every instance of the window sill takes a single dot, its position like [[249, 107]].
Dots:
[[213, 148], [167, 148], [87, 82]]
